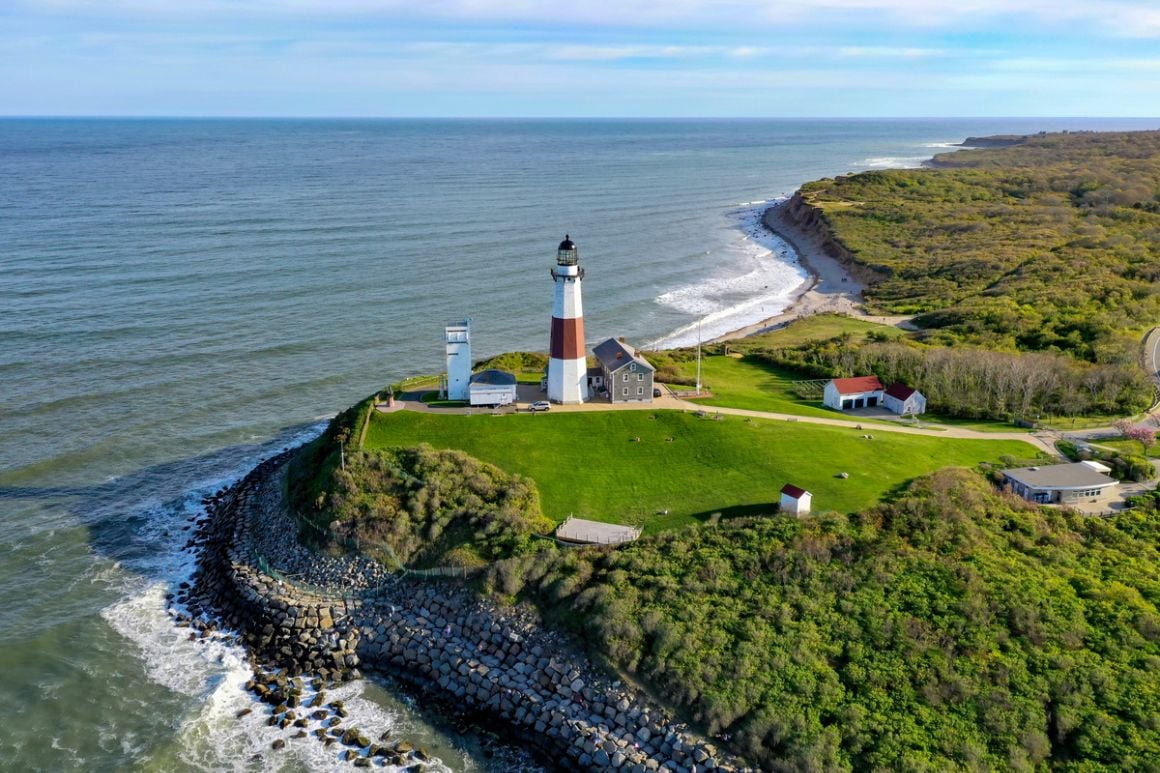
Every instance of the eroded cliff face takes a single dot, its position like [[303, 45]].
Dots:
[[806, 226]]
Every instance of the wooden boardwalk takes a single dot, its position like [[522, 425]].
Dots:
[[585, 532]]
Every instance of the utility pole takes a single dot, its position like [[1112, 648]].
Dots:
[[699, 357]]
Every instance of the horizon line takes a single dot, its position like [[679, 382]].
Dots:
[[291, 117]]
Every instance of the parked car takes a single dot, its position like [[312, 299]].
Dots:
[[540, 405], [656, 392]]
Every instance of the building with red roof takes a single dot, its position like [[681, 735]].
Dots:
[[852, 394], [794, 500], [904, 400]]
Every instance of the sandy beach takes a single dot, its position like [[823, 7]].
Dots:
[[831, 289]]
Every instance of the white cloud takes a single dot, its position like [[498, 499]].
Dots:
[[884, 52], [1124, 18]]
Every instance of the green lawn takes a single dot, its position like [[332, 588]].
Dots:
[[432, 398], [1129, 447], [978, 425], [587, 464], [750, 383], [747, 382], [814, 328]]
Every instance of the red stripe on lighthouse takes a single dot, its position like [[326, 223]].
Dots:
[[567, 341]]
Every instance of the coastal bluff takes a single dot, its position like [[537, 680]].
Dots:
[[803, 223], [491, 663]]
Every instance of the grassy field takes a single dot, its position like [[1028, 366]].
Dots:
[[749, 383], [1129, 447], [588, 464], [814, 328]]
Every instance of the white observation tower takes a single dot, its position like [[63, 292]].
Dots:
[[458, 339], [568, 367]]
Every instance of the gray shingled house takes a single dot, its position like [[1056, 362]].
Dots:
[[628, 377]]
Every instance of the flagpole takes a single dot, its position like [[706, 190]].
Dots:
[[698, 357]]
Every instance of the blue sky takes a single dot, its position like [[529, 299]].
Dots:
[[580, 58]]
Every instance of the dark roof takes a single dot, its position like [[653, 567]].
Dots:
[[900, 391], [567, 244], [1060, 476], [493, 377], [614, 354], [849, 386], [793, 491], [595, 371]]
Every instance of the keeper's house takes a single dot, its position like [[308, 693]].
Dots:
[[1063, 484], [492, 387], [627, 376], [851, 394]]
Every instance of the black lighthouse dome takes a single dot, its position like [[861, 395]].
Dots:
[[567, 254]]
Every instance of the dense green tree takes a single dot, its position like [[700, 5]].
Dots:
[[953, 628], [1052, 244]]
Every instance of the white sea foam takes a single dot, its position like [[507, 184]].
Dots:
[[212, 672], [941, 145], [893, 162], [754, 279]]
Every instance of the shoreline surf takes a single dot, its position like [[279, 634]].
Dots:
[[829, 287]]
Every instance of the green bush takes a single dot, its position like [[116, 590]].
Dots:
[[953, 628], [424, 507]]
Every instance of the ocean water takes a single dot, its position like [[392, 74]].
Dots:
[[181, 298]]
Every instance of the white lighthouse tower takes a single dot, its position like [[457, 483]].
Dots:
[[458, 339], [568, 367]]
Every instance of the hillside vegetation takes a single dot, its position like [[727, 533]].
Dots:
[[413, 506], [952, 629], [1052, 244]]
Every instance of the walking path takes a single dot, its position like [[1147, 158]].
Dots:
[[1043, 440]]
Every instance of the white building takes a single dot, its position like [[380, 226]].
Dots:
[[794, 500], [844, 394], [1064, 484], [457, 336], [493, 387], [904, 400], [568, 365], [851, 394]]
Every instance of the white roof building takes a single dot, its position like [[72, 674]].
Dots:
[[1061, 483]]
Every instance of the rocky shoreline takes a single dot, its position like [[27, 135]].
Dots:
[[343, 614]]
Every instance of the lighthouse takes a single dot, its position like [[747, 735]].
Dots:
[[567, 368]]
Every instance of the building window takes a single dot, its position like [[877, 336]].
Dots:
[[625, 392], [632, 366], [625, 377], [640, 377], [640, 390]]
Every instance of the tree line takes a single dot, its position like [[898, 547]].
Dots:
[[971, 382]]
